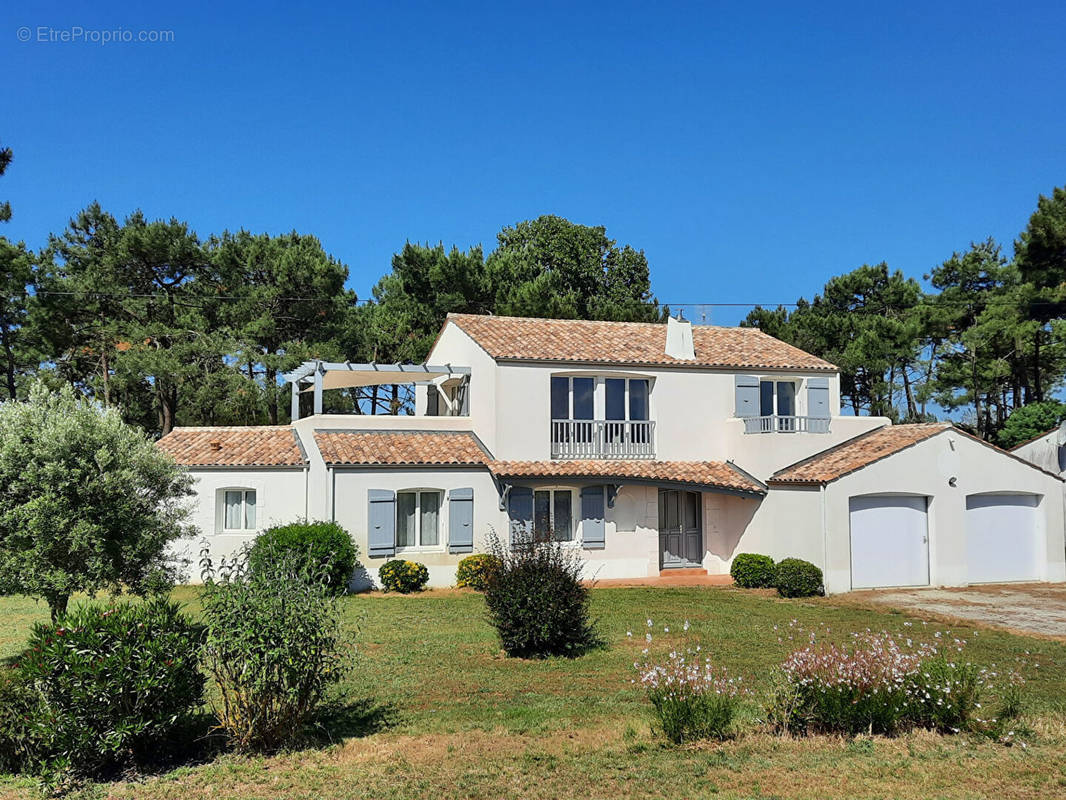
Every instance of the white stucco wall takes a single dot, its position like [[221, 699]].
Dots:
[[280, 498], [350, 501], [1044, 451]]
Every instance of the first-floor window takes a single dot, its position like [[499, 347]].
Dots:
[[553, 514], [418, 519], [240, 510]]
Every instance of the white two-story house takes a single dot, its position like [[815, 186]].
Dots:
[[648, 447]]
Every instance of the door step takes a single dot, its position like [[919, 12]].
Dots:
[[681, 572]]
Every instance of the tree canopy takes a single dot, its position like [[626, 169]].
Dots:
[[87, 502]]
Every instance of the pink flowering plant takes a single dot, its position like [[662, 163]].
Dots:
[[692, 697], [879, 683]]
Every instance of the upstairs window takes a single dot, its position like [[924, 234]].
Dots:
[[573, 398], [777, 397], [623, 398], [239, 510]]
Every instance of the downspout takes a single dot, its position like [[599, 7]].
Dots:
[[331, 480], [825, 533], [307, 489]]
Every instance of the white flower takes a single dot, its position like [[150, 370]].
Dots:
[[650, 623], [686, 625]]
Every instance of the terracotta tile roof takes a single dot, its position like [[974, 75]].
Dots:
[[530, 339], [399, 448], [854, 454], [713, 474], [249, 446]]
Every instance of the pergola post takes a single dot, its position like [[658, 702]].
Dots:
[[318, 389], [294, 409]]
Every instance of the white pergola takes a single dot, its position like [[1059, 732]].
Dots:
[[317, 376]]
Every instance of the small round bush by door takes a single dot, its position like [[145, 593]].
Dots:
[[476, 570], [403, 576], [795, 577], [324, 544], [753, 571]]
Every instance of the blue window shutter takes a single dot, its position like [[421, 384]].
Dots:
[[593, 525], [381, 523], [747, 396], [461, 521], [818, 398], [520, 511]]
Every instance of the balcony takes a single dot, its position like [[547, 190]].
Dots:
[[598, 438], [779, 424]]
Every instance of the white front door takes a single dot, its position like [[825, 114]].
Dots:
[[889, 541], [1001, 538]]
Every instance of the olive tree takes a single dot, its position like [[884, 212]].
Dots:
[[87, 502]]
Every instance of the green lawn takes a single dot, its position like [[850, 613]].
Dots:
[[435, 711]]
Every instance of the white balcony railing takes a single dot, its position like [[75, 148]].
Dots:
[[598, 438], [776, 424]]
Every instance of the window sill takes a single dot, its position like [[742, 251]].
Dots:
[[239, 532], [415, 550]]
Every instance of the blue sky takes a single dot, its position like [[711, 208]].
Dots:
[[752, 150]]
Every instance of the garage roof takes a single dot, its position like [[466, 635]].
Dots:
[[854, 454], [871, 447]]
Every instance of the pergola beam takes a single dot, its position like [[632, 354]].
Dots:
[[312, 374]]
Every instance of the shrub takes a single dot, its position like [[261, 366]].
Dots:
[[272, 645], [18, 702], [794, 577], [403, 576], [112, 684], [875, 685], [692, 699], [753, 571], [475, 571], [326, 544], [536, 600]]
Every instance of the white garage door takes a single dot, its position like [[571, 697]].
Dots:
[[1001, 538], [889, 542]]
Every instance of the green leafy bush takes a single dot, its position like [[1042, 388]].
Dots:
[[18, 703], [272, 645], [321, 543], [794, 577], [475, 571], [536, 600], [112, 683], [753, 571], [403, 576]]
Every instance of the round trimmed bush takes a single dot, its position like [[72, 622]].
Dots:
[[753, 571], [112, 685], [403, 576], [795, 577], [475, 571], [318, 544]]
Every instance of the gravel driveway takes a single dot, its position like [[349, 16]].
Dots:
[[1029, 608]]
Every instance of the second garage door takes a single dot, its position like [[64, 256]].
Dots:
[[1001, 538], [889, 541]]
